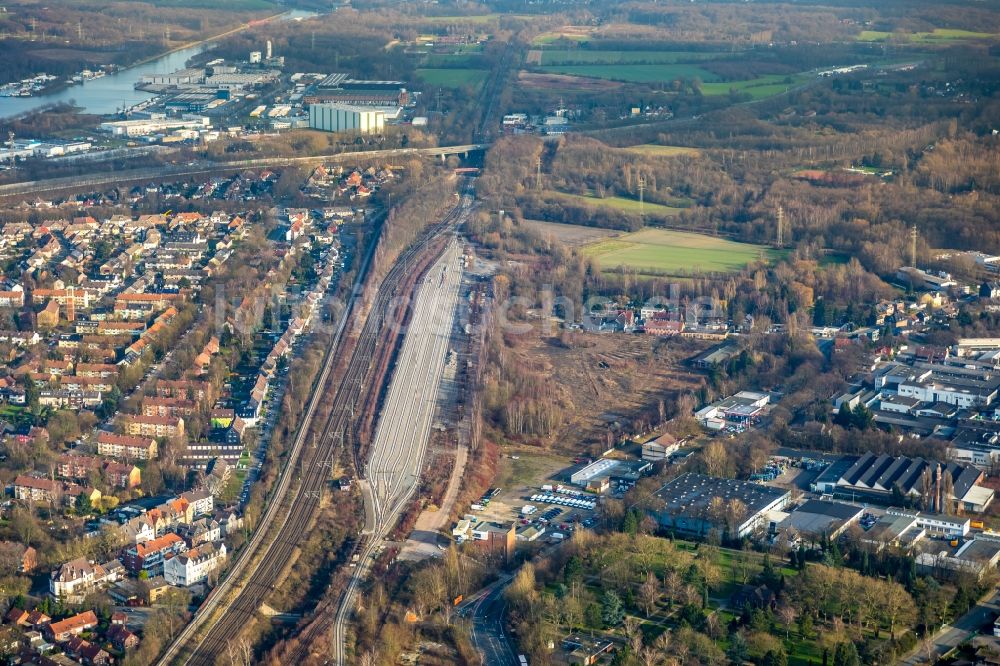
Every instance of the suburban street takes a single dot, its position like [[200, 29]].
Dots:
[[954, 634], [488, 635]]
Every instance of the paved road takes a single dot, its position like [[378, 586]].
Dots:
[[954, 634], [487, 612]]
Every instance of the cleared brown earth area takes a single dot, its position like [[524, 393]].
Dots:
[[564, 82], [573, 235], [603, 378]]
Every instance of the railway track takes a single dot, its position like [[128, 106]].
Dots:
[[395, 458], [310, 465], [215, 168]]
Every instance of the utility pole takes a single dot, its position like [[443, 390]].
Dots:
[[781, 227], [640, 182], [79, 31], [913, 246], [538, 173]]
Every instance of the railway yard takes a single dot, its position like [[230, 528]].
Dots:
[[346, 370], [396, 455]]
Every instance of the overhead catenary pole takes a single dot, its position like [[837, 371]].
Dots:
[[640, 182], [780, 240]]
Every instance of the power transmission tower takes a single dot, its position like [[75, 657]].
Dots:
[[640, 182], [79, 30], [913, 246], [538, 173], [781, 227]]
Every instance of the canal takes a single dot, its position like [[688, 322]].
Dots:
[[108, 93]]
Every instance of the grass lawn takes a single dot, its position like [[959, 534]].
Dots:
[[575, 34], [759, 88], [628, 205], [663, 252], [936, 35], [587, 56], [452, 60], [11, 412], [530, 469], [635, 73], [654, 150], [453, 78]]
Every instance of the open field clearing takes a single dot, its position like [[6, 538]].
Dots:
[[452, 60], [597, 379], [576, 33], [573, 235], [453, 78], [587, 57], [627, 205], [635, 73], [665, 252], [759, 88], [655, 150], [475, 19], [936, 35], [561, 82]]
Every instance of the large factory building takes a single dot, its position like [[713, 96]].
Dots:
[[340, 118]]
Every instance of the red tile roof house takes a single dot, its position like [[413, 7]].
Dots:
[[26, 556], [71, 626], [149, 556], [122, 638], [87, 653]]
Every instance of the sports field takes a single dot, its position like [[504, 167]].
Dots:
[[665, 252], [656, 150], [635, 73], [627, 205], [453, 78], [592, 57], [759, 88]]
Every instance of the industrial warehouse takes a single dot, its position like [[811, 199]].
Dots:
[[879, 477], [690, 502]]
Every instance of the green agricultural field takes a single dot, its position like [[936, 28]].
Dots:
[[759, 88], [936, 35], [452, 60], [655, 150], [629, 205], [590, 57], [482, 18], [453, 78], [665, 252], [635, 73]]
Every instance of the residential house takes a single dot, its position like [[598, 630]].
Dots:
[[25, 556], [195, 565], [126, 446], [201, 502], [71, 626], [77, 578], [149, 556], [122, 638], [154, 426]]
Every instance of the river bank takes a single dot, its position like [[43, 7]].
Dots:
[[108, 94]]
